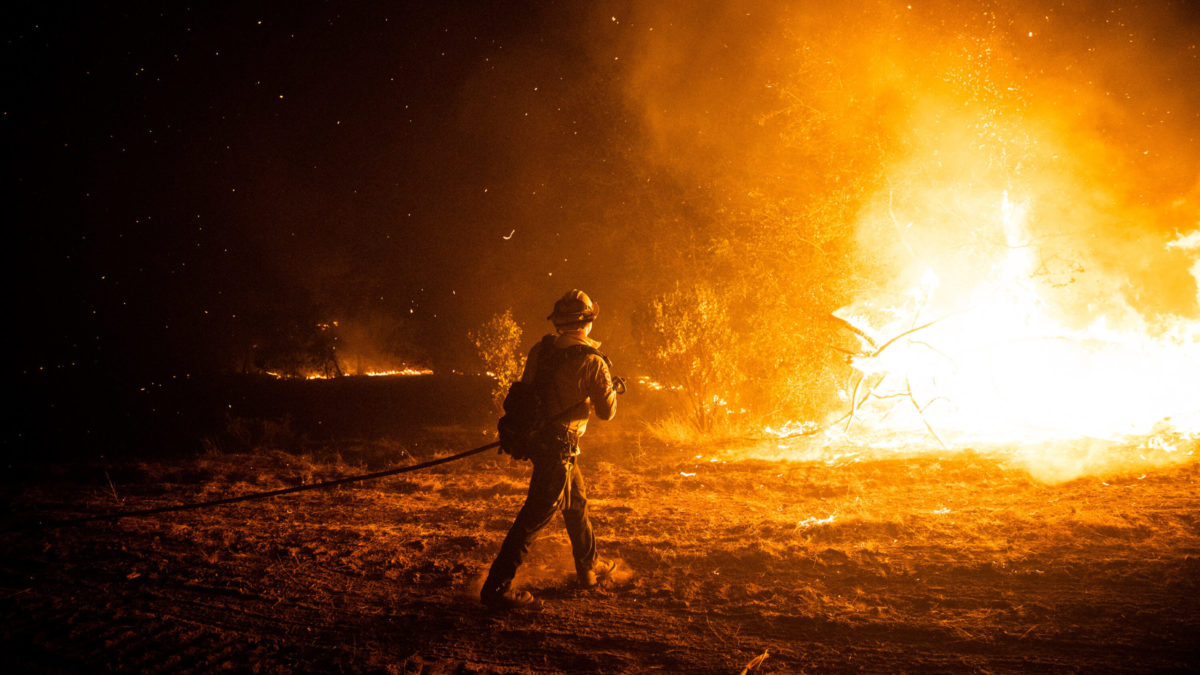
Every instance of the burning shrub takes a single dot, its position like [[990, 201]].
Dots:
[[498, 345]]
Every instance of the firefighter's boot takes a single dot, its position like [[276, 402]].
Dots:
[[600, 572]]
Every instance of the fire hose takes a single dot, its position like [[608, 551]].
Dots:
[[618, 386], [263, 495]]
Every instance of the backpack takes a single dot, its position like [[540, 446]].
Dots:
[[527, 429]]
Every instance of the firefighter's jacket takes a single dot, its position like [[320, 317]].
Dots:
[[576, 379]]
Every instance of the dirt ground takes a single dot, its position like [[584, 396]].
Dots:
[[822, 559]]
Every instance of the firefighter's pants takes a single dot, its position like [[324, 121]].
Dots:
[[554, 486]]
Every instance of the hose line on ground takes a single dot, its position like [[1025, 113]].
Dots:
[[261, 495]]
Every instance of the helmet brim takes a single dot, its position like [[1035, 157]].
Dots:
[[575, 317]]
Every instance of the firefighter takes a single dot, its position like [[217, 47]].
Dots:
[[572, 378]]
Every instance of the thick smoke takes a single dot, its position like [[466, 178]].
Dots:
[[610, 146], [1084, 115]]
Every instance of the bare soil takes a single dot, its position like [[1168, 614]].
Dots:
[[840, 559]]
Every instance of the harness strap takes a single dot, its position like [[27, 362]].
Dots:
[[550, 360], [569, 469]]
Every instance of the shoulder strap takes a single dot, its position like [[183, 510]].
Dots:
[[583, 350], [550, 359]]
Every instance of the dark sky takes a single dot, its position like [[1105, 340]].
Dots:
[[188, 179], [189, 174]]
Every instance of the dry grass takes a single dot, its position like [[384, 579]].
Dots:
[[680, 429], [827, 557]]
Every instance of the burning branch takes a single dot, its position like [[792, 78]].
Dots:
[[908, 332], [856, 402], [921, 412], [860, 333], [868, 382]]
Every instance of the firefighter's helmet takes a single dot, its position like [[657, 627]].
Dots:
[[574, 307]]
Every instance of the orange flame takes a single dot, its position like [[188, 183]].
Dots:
[[1003, 365], [404, 371]]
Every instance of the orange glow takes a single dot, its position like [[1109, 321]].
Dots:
[[654, 385], [1001, 362], [398, 371], [1033, 258], [406, 371]]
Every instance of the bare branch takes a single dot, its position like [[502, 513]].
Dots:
[[935, 350], [933, 400], [910, 331], [921, 412], [853, 329], [854, 402]]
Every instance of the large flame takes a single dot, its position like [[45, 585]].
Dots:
[[1021, 181], [1029, 295], [999, 361]]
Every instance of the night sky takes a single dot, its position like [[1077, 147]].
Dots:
[[192, 177], [188, 180]]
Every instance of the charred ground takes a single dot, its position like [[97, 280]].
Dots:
[[843, 559]]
